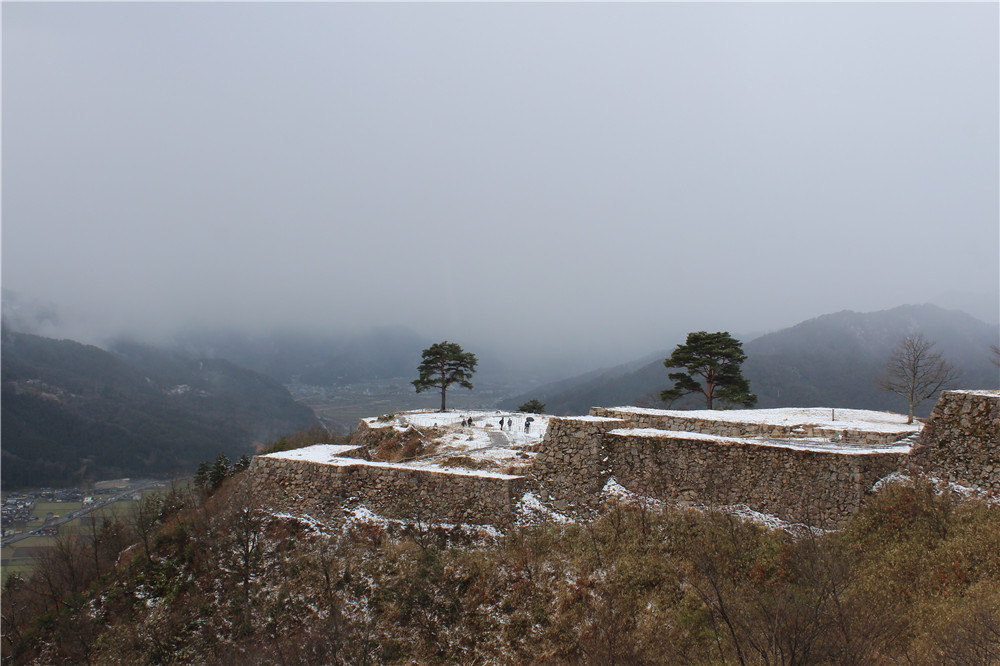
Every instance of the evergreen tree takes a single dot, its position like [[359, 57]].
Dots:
[[712, 367], [243, 463], [203, 476], [444, 364], [221, 470], [533, 406]]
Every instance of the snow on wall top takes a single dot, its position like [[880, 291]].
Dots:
[[814, 444], [989, 393], [315, 453], [589, 419], [846, 419], [327, 454]]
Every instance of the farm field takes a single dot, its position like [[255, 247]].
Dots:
[[20, 557]]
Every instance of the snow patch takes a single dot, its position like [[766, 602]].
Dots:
[[321, 453], [820, 417], [814, 444], [615, 491], [530, 509], [941, 486]]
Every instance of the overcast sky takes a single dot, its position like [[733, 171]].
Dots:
[[583, 177]]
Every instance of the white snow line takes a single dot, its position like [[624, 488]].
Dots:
[[940, 485]]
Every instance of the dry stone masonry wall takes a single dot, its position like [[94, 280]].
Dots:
[[571, 467], [961, 441], [797, 484], [663, 420], [324, 490], [774, 469]]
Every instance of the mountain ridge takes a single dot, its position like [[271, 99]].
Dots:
[[829, 360], [75, 412]]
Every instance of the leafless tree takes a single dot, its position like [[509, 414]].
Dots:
[[144, 520], [246, 535], [916, 372]]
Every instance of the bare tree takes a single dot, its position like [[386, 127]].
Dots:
[[916, 372], [245, 538], [144, 520]]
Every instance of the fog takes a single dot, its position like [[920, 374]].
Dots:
[[585, 179]]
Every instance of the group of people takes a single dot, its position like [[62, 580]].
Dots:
[[467, 423], [510, 423]]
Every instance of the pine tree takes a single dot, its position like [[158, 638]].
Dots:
[[533, 406], [712, 367], [221, 470], [242, 464], [444, 364], [203, 476]]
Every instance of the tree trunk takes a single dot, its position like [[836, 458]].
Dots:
[[710, 387], [443, 389]]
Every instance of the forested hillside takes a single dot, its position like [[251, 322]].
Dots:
[[834, 360], [913, 578], [74, 412]]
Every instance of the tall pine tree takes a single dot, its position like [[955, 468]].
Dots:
[[711, 363], [444, 364]]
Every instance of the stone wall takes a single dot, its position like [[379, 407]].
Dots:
[[961, 440], [777, 473], [571, 466], [795, 483], [324, 490], [666, 421]]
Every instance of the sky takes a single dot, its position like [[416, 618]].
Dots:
[[591, 179]]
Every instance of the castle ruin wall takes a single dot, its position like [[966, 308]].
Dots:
[[798, 484], [325, 490], [661, 420], [571, 467], [961, 441]]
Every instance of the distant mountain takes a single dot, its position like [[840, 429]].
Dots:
[[837, 359], [832, 360], [323, 360], [74, 412], [576, 395]]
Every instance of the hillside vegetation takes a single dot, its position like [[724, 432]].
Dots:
[[73, 412], [913, 578], [833, 360]]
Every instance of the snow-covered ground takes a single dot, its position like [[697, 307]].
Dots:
[[329, 454], [321, 453], [484, 441], [823, 417], [817, 444]]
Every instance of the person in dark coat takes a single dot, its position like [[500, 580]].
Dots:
[[527, 423]]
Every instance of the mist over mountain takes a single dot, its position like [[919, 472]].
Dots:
[[380, 353], [296, 357], [838, 358], [74, 412], [833, 360]]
